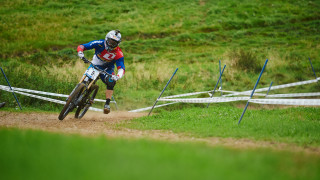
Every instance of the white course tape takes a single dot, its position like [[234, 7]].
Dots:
[[187, 94], [148, 108], [38, 97], [312, 102], [44, 98], [242, 93], [288, 85], [295, 95], [305, 102], [210, 94], [44, 93], [301, 102], [234, 93], [277, 87], [35, 92], [227, 91], [95, 109], [206, 100]]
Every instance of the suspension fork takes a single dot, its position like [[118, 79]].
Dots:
[[87, 85], [83, 95]]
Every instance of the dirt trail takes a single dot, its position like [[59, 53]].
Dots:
[[99, 124]]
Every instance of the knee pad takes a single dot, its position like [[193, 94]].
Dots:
[[110, 83]]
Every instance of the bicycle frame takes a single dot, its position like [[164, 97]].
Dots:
[[88, 79], [79, 97]]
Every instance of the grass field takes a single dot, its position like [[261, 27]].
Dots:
[[290, 125], [28, 155], [38, 41]]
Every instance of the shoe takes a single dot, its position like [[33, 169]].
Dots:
[[106, 109], [2, 104]]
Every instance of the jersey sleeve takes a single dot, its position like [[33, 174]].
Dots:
[[120, 67], [90, 45], [119, 59], [120, 63]]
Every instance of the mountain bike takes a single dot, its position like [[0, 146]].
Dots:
[[82, 96]]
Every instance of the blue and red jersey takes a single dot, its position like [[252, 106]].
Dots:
[[104, 58]]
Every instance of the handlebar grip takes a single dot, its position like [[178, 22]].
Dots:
[[85, 60]]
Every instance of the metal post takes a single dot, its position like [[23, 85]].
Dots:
[[269, 88], [221, 78], [313, 69], [10, 87], [163, 91], [114, 102], [216, 84], [255, 86]]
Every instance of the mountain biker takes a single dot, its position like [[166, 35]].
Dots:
[[107, 54]]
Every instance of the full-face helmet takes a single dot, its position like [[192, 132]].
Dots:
[[112, 40]]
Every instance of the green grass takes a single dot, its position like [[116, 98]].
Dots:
[[291, 125], [38, 43], [64, 23], [40, 155]]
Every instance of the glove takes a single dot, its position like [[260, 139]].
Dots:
[[80, 54], [115, 78]]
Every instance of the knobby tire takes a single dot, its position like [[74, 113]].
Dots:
[[70, 104], [85, 104]]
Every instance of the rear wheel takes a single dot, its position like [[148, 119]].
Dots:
[[72, 101], [87, 101]]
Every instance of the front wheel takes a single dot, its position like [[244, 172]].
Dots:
[[72, 101], [87, 101]]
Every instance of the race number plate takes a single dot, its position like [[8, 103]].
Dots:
[[92, 73]]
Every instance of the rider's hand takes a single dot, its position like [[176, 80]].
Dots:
[[80, 54], [115, 78]]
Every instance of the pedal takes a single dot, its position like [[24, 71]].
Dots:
[[91, 101]]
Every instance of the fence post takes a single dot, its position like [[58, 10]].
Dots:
[[255, 86], [313, 69], [10, 87], [221, 78], [114, 102], [163, 91], [269, 89], [217, 84]]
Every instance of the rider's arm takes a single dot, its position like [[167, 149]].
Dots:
[[87, 46], [120, 67], [81, 48]]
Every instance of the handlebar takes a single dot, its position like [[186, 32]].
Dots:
[[85, 60]]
